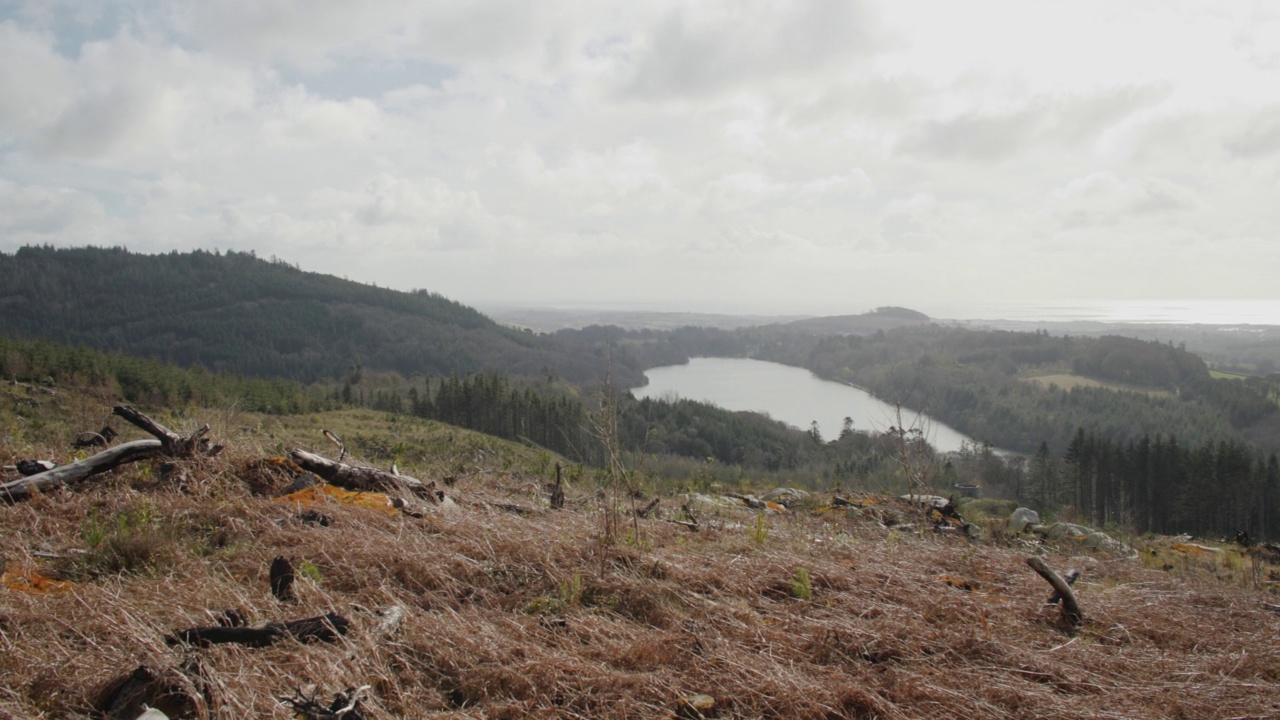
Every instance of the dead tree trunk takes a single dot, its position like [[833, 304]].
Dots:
[[326, 628], [75, 472], [1070, 608], [167, 442], [362, 479], [174, 444]]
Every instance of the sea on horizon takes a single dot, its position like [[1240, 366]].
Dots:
[[1166, 312]]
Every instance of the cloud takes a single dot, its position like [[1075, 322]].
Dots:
[[401, 141], [1259, 137], [36, 215], [35, 82], [1103, 198], [1065, 120], [723, 46], [910, 225], [976, 136]]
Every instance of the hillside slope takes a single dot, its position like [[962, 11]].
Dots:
[[510, 609], [234, 311]]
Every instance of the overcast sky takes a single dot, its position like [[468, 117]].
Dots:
[[815, 157]]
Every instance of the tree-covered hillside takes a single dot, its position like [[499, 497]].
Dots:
[[236, 312], [1018, 389]]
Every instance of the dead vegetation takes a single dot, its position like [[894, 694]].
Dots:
[[505, 614]]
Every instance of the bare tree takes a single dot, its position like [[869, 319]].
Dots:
[[915, 456]]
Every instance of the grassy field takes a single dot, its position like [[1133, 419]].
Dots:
[[512, 609], [1069, 380], [1220, 375]]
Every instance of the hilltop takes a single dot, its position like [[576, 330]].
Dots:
[[880, 319], [237, 312], [495, 604]]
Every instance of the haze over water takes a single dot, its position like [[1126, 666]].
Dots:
[[1219, 311]]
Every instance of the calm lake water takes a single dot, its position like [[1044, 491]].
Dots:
[[793, 395]]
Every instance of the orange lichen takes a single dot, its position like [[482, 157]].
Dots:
[[318, 494], [31, 581]]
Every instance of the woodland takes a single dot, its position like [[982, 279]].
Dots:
[[1152, 440]]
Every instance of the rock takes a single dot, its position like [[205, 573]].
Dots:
[[860, 513], [785, 496], [695, 707], [1021, 518], [1098, 540], [712, 501], [1088, 538], [1062, 530], [926, 500]]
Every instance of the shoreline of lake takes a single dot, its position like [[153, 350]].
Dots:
[[795, 396]]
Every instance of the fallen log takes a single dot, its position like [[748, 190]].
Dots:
[[1070, 608], [362, 479], [174, 444], [62, 475], [167, 442], [325, 628], [687, 525]]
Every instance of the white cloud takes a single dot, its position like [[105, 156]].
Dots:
[[36, 213], [499, 149], [1102, 197]]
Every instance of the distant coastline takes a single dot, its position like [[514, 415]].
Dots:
[[1154, 312]]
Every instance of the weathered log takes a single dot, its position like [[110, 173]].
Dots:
[[362, 479], [326, 628], [147, 693], [1071, 578], [1070, 608], [644, 512], [75, 472], [281, 576], [557, 491], [174, 444]]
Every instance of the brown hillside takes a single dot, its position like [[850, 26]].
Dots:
[[514, 610]]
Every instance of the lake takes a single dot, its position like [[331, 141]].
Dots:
[[790, 394]]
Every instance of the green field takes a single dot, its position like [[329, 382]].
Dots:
[[1067, 381], [1220, 375]]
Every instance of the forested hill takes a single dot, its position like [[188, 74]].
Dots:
[[236, 312], [882, 318]]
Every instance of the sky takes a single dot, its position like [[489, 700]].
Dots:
[[818, 157]]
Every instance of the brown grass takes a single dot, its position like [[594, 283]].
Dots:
[[514, 616]]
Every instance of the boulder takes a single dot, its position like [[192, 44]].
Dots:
[[1062, 530], [1087, 537], [785, 496], [1098, 540], [711, 501], [1021, 518]]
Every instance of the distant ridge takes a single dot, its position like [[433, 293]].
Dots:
[[882, 318], [233, 311]]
